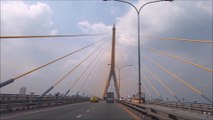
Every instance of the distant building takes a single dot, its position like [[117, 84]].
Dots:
[[22, 91]]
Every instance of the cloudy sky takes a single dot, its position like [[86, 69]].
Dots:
[[187, 19]]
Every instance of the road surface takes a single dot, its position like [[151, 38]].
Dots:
[[86, 110]]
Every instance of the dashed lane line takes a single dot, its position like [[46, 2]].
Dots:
[[79, 116], [33, 112]]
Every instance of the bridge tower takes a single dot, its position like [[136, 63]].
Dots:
[[112, 70]]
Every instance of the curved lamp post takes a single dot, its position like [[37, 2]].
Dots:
[[138, 16], [119, 69]]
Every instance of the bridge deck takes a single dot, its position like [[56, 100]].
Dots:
[[86, 110]]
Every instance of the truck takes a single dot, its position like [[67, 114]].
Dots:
[[110, 97]]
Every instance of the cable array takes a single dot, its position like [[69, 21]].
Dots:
[[178, 58], [178, 78], [161, 82], [172, 74], [49, 36], [179, 39], [66, 75], [42, 66], [78, 79]]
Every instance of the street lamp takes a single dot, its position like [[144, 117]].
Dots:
[[139, 58], [119, 69]]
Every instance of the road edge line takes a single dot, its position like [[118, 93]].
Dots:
[[130, 112]]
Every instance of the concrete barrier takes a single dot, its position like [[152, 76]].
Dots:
[[164, 113]]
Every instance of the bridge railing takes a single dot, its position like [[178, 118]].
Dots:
[[22, 102], [195, 107], [164, 113]]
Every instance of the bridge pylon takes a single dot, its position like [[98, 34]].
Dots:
[[112, 72]]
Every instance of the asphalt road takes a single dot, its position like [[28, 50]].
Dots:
[[85, 111]]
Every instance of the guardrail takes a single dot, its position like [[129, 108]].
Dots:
[[164, 113], [195, 107], [17, 102]]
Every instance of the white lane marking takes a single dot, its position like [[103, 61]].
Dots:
[[88, 110], [25, 114], [79, 116], [48, 109]]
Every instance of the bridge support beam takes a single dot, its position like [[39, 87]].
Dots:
[[112, 70]]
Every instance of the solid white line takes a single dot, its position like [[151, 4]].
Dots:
[[88, 110], [129, 112], [79, 116]]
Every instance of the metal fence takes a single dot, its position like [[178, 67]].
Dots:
[[194, 107], [156, 112], [12, 102]]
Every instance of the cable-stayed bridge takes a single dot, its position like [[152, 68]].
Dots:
[[92, 81]]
